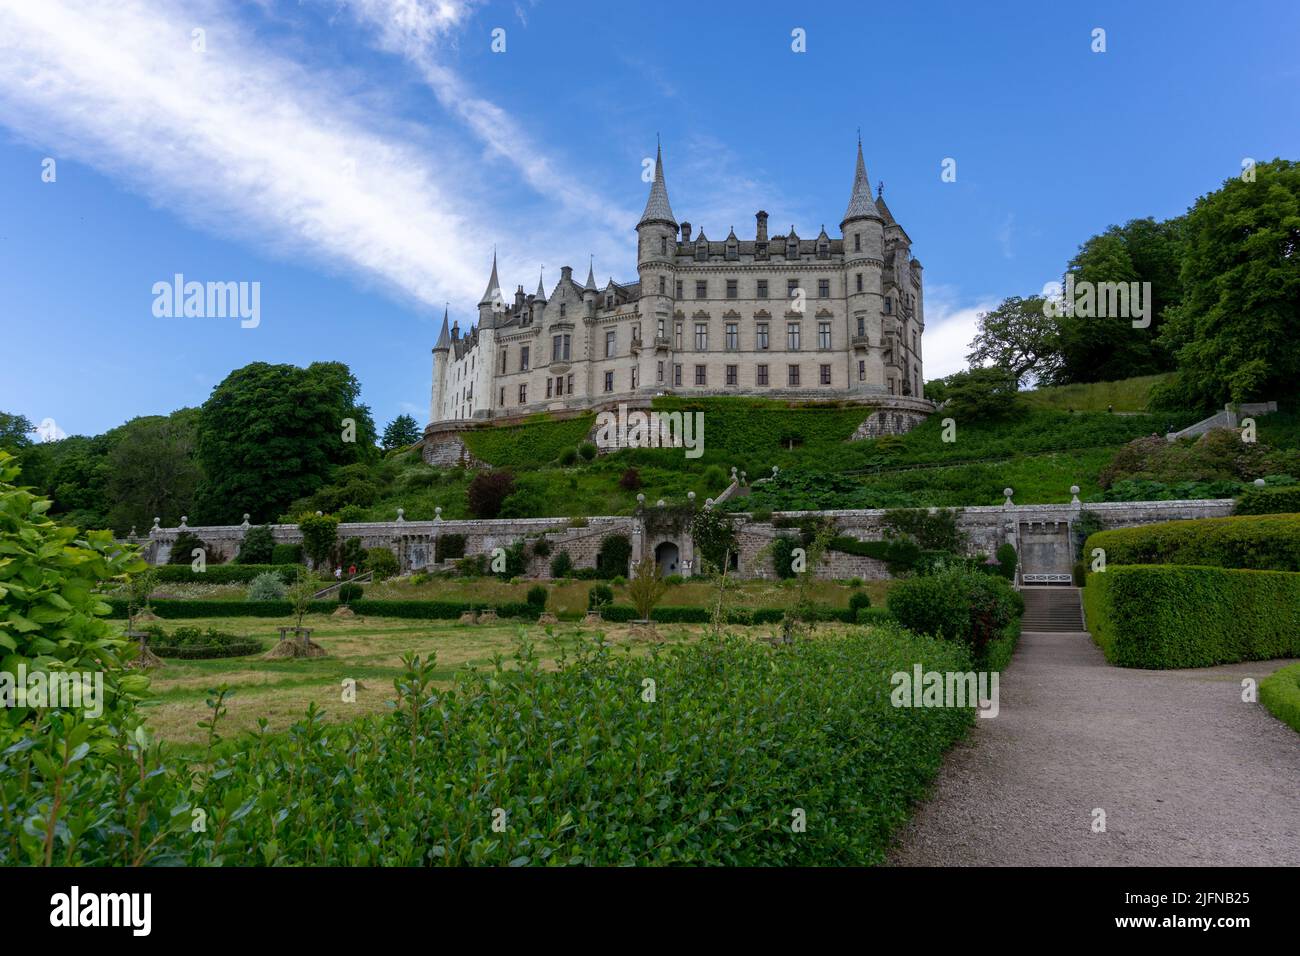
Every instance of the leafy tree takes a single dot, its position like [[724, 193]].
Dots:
[[1019, 336], [983, 394], [715, 538], [258, 546], [183, 547], [151, 470], [646, 588], [15, 432], [487, 491], [615, 551], [400, 432], [1236, 332], [319, 535], [271, 434]]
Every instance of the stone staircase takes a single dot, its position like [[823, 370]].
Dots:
[[1051, 609]]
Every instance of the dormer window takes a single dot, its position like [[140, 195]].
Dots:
[[732, 253], [701, 251], [823, 249], [792, 249], [760, 250], [609, 302]]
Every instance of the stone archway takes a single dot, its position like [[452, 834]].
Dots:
[[668, 557]]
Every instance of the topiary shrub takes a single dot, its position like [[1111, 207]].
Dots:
[[561, 565], [601, 595], [1259, 542], [537, 595], [382, 563], [258, 546], [1279, 692], [267, 586], [615, 551], [587, 451], [184, 546], [568, 457], [859, 600], [1007, 558], [956, 604]]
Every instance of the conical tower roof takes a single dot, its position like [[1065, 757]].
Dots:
[[591, 277], [494, 285], [885, 214], [657, 208], [861, 205], [541, 288], [444, 337]]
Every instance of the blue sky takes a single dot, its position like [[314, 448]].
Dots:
[[360, 159]]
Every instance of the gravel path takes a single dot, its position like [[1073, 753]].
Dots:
[[1187, 774]]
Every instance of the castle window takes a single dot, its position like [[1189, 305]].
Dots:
[[823, 249], [701, 251], [824, 335], [862, 371], [663, 285], [733, 337], [663, 245], [677, 336], [609, 381], [660, 331], [550, 386], [679, 288], [914, 340], [636, 377], [609, 302], [610, 344], [862, 325], [793, 379], [660, 376], [523, 359], [701, 289], [731, 374], [762, 288], [792, 249], [762, 335], [732, 251], [701, 336], [504, 353], [562, 309], [823, 288], [501, 400], [762, 375], [566, 348], [791, 287], [701, 375], [826, 374], [569, 385], [792, 336], [557, 343], [677, 375], [523, 394], [857, 242], [889, 305], [760, 250], [731, 288], [859, 279]]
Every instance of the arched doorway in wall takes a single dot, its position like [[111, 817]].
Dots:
[[668, 557]]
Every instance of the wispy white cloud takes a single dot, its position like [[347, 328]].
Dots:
[[236, 138], [951, 322]]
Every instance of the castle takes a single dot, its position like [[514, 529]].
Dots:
[[773, 316]]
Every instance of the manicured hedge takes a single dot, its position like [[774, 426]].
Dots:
[[1163, 616], [1269, 501], [622, 613], [1279, 692], [221, 573], [424, 610], [208, 652], [1259, 542]]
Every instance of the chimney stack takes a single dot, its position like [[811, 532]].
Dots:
[[566, 274], [686, 232], [762, 226]]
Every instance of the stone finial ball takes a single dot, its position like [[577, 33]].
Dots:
[[660, 503], [438, 511], [1007, 492], [691, 495], [640, 498], [1074, 489], [318, 514], [1259, 482]]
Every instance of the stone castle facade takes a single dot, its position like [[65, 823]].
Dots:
[[774, 316]]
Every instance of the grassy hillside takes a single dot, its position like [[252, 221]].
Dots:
[[1127, 395]]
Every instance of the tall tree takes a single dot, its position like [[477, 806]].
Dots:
[[270, 434], [400, 432], [15, 432], [1236, 332], [1019, 336], [152, 471]]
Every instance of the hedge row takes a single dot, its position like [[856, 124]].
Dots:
[[622, 613], [208, 652], [1279, 692], [1164, 616], [1259, 542], [425, 610], [1269, 501], [222, 573]]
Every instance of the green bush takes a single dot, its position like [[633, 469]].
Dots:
[[1279, 692], [1269, 501], [424, 610], [258, 546], [600, 596], [450, 547], [587, 451], [615, 552], [956, 604], [220, 573], [568, 457], [267, 586], [561, 565], [319, 536], [1163, 616], [183, 548], [783, 546], [859, 600], [1259, 542], [350, 592], [537, 595], [286, 554], [542, 547], [194, 644], [382, 563], [1006, 556]]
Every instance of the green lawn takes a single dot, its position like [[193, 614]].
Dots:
[[1126, 395]]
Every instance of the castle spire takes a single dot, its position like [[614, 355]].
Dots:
[[494, 284], [591, 275], [541, 289], [657, 208], [861, 205], [444, 338]]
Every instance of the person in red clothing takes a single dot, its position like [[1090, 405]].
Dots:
[[352, 570]]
